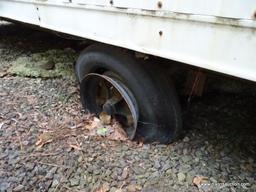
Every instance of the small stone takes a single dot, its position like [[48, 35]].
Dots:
[[33, 180], [185, 159], [22, 175], [96, 171], [25, 143], [74, 182], [190, 176], [250, 160], [185, 151], [157, 164], [4, 186], [253, 187], [114, 175], [105, 186], [82, 182], [166, 166], [113, 189], [80, 159], [149, 189], [30, 166], [155, 175], [186, 139], [181, 177], [55, 183], [49, 175], [18, 188], [169, 172], [125, 173], [12, 179], [47, 185], [53, 170], [14, 161], [213, 180], [125, 148], [2, 156], [131, 188], [138, 170]]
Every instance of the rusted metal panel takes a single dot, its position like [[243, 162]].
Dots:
[[229, 8]]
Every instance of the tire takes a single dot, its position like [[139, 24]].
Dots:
[[159, 110]]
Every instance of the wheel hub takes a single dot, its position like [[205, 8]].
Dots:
[[115, 99]]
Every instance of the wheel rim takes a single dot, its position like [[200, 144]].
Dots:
[[112, 97]]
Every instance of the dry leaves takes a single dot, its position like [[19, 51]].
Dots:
[[87, 126], [113, 131], [118, 133], [3, 74], [46, 137], [141, 144], [105, 118], [32, 99], [92, 124], [199, 180], [49, 136]]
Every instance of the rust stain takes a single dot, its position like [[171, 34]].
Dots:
[[159, 4], [227, 21], [254, 15]]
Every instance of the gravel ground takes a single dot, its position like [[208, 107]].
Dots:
[[218, 148]]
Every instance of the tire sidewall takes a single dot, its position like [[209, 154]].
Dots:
[[154, 108]]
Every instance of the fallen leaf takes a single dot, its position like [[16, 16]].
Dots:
[[140, 144], [118, 133], [44, 138], [199, 180], [3, 74], [40, 143], [96, 119], [92, 124], [105, 118], [31, 99], [102, 131]]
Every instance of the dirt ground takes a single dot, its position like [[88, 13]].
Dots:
[[46, 143]]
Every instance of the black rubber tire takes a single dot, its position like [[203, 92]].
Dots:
[[159, 110]]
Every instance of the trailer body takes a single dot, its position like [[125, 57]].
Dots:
[[216, 35]]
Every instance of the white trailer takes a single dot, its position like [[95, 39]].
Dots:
[[215, 35]]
